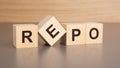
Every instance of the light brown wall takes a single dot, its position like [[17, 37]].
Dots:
[[64, 10]]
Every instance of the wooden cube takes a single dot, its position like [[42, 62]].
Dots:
[[25, 35], [94, 33], [75, 34], [51, 30]]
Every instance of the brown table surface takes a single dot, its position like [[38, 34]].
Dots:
[[106, 55]]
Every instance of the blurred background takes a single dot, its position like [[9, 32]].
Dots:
[[30, 11]]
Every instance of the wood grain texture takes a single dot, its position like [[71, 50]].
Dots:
[[65, 10]]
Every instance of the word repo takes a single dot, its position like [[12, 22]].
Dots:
[[26, 35]]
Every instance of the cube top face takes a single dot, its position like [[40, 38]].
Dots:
[[73, 29], [25, 30], [45, 20], [94, 33], [51, 30]]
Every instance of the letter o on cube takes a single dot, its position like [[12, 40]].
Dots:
[[94, 33]]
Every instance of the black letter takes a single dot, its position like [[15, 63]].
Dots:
[[97, 33], [50, 32], [73, 33], [28, 37]]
